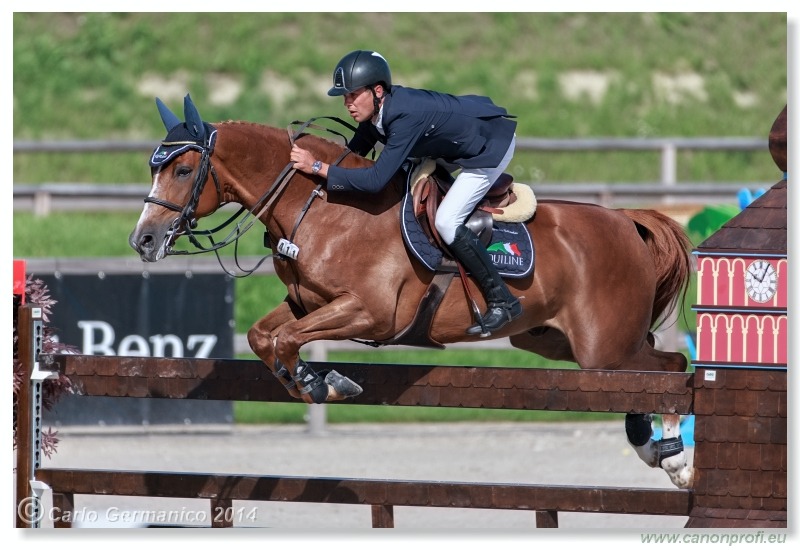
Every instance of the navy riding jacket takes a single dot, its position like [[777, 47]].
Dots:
[[469, 131]]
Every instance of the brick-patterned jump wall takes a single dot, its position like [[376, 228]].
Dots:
[[740, 454]]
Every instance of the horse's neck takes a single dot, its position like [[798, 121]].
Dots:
[[252, 158], [255, 156]]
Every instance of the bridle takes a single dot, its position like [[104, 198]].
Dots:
[[187, 213], [186, 222]]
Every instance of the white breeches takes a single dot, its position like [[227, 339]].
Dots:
[[470, 187]]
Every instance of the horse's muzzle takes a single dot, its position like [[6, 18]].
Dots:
[[150, 246], [145, 246]]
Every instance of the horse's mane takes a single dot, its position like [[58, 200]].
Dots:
[[273, 142], [313, 142], [229, 121]]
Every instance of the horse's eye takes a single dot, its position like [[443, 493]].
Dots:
[[183, 171]]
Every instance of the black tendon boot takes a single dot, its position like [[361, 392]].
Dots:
[[502, 305]]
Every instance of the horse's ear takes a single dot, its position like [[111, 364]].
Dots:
[[193, 121], [167, 117]]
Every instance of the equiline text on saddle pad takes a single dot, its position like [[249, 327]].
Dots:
[[510, 245]]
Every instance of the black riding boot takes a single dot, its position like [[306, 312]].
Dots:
[[502, 305]]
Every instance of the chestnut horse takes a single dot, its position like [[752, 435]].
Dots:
[[603, 277]]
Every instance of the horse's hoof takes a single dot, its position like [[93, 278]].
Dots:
[[342, 386], [681, 476]]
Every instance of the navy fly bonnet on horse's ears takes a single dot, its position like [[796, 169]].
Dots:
[[181, 136]]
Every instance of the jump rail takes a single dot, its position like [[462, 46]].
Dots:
[[481, 387], [43, 199]]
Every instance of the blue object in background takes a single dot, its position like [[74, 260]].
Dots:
[[745, 196]]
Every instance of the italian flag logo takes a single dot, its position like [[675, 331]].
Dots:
[[505, 248]]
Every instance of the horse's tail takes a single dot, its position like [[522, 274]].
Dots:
[[671, 251]]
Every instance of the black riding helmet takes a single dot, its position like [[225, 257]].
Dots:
[[358, 69]]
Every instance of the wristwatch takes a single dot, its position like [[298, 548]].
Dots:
[[316, 167]]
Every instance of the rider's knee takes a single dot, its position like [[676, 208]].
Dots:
[[446, 227]]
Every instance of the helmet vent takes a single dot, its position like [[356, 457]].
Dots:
[[338, 78]]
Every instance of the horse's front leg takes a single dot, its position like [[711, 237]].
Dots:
[[261, 338], [343, 318]]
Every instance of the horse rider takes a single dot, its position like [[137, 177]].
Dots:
[[468, 131]]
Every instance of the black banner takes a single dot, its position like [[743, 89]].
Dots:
[[142, 315]]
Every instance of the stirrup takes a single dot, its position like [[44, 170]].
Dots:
[[498, 314]]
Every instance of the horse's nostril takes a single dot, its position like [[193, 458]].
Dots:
[[146, 243]]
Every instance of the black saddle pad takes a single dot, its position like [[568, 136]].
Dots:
[[510, 248]]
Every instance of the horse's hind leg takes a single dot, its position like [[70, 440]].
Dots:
[[548, 342], [664, 361], [667, 453], [672, 457]]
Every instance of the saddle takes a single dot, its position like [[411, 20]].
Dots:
[[507, 203]]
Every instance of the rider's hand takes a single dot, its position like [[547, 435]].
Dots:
[[302, 159]]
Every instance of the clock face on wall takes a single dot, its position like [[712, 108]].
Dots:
[[761, 281]]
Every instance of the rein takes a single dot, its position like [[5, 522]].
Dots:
[[186, 221]]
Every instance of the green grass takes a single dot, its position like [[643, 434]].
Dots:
[[73, 234], [93, 63], [95, 76], [296, 413]]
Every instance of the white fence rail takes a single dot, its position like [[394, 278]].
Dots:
[[49, 197], [46, 197]]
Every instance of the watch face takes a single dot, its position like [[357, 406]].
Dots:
[[761, 281]]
